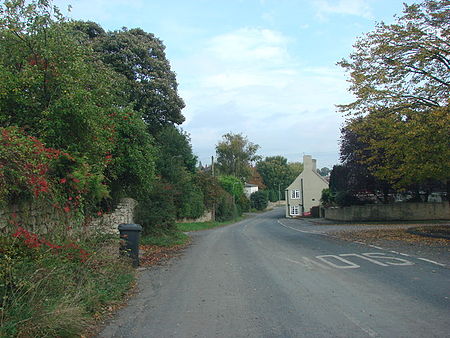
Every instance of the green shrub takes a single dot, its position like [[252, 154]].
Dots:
[[243, 204], [259, 200], [226, 210], [157, 211], [345, 199], [327, 198]]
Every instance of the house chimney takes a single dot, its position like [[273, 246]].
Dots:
[[314, 165], [307, 162]]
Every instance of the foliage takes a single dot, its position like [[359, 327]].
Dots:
[[243, 204], [40, 283], [296, 168], [235, 153], [345, 199], [232, 185], [276, 173], [400, 76], [157, 211], [31, 171], [328, 197], [226, 210], [52, 86], [324, 171], [256, 178], [151, 84], [259, 200], [131, 162], [210, 187]]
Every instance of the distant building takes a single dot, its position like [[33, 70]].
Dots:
[[306, 190], [250, 189]]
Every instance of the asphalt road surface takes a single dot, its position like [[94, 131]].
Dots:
[[268, 276]]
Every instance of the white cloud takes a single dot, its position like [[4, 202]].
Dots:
[[350, 7], [248, 81]]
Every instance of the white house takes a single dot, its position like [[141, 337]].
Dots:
[[250, 189], [306, 190]]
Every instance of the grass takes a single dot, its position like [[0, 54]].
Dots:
[[59, 292], [197, 226], [165, 239]]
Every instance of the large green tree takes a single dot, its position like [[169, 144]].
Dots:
[[151, 85], [276, 174], [400, 75], [235, 153]]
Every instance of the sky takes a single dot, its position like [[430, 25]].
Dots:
[[263, 68]]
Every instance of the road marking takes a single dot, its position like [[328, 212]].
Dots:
[[388, 259], [376, 247], [366, 329], [430, 261], [349, 265], [364, 257], [314, 232], [307, 262]]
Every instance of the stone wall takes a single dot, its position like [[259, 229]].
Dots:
[[391, 212], [108, 223], [42, 218], [38, 217], [207, 217]]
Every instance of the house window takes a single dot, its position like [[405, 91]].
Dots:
[[295, 210], [295, 194]]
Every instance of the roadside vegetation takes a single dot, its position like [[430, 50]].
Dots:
[[58, 288], [395, 144]]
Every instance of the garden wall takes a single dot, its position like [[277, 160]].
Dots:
[[390, 212], [41, 218]]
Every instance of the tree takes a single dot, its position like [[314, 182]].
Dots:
[[151, 85], [400, 76], [324, 171], [232, 185], [296, 168], [52, 86], [276, 174], [235, 153]]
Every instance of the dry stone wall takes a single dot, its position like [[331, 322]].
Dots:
[[42, 218], [391, 212]]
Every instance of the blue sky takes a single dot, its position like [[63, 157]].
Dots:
[[264, 68]]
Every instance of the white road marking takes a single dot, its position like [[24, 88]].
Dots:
[[376, 247], [314, 232], [349, 265], [364, 257], [307, 262], [388, 259], [366, 329], [430, 261], [403, 254]]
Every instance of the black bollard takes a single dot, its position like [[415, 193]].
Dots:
[[129, 235]]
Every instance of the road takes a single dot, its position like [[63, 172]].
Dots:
[[268, 276]]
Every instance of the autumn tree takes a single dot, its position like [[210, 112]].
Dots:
[[235, 153], [400, 76]]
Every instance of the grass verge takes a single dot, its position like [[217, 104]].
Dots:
[[51, 289], [197, 226]]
